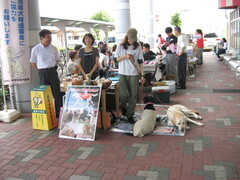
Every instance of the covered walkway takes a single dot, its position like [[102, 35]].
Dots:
[[209, 152]]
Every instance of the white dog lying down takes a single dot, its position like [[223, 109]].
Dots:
[[179, 115]]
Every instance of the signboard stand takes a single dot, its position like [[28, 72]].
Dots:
[[80, 113]]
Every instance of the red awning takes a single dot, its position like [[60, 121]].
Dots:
[[228, 4]]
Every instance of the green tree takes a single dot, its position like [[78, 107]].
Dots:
[[101, 16], [176, 19]]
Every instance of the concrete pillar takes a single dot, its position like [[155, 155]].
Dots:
[[148, 22], [122, 19], [22, 91], [62, 27]]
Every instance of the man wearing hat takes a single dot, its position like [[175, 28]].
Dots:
[[130, 61]]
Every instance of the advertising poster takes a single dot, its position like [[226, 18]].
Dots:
[[80, 113], [14, 41]]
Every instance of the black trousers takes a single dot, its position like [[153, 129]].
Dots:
[[221, 51], [182, 70], [50, 77]]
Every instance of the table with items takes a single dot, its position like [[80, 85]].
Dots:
[[107, 85]]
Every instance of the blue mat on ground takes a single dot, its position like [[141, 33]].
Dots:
[[161, 127]]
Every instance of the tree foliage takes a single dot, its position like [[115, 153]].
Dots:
[[176, 19], [101, 16]]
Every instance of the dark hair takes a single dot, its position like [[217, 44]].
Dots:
[[178, 29], [103, 50], [224, 40], [125, 43], [90, 36], [199, 31], [146, 45], [159, 35], [168, 30], [100, 43], [77, 47], [72, 54], [43, 32], [141, 43], [114, 47], [109, 52], [164, 48]]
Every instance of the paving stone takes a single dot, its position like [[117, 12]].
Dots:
[[128, 177], [96, 174], [20, 121], [32, 154], [98, 148], [148, 174], [42, 134], [6, 135], [12, 178], [72, 158], [209, 174], [132, 152], [78, 177], [43, 152], [160, 169], [15, 160], [26, 176]]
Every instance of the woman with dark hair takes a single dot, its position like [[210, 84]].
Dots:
[[88, 58], [130, 64], [200, 45], [222, 48]]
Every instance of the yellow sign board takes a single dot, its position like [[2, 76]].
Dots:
[[43, 111]]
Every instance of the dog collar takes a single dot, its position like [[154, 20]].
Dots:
[[149, 103]]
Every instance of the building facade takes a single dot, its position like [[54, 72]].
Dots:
[[234, 24]]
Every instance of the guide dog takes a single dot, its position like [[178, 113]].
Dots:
[[179, 115], [147, 123]]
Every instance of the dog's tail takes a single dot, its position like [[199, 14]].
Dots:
[[194, 111]]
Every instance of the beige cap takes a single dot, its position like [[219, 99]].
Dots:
[[132, 34]]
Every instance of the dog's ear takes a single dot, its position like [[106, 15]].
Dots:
[[176, 115]]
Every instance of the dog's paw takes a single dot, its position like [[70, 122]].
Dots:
[[200, 124], [199, 117], [187, 127]]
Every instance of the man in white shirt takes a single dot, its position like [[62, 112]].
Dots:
[[182, 57], [44, 58]]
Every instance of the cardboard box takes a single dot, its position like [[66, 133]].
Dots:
[[161, 94], [43, 109]]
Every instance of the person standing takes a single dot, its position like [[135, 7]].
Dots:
[[171, 40], [182, 57], [88, 58], [130, 59], [44, 59], [200, 45], [160, 40]]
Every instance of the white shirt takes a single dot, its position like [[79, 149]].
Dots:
[[102, 59], [44, 57], [71, 66], [125, 67], [181, 43]]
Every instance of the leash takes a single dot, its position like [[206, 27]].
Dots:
[[148, 84]]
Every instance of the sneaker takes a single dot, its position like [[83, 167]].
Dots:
[[131, 120], [123, 119]]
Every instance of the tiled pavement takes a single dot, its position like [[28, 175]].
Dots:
[[209, 152]]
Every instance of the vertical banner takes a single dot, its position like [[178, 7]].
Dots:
[[80, 113], [14, 41]]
